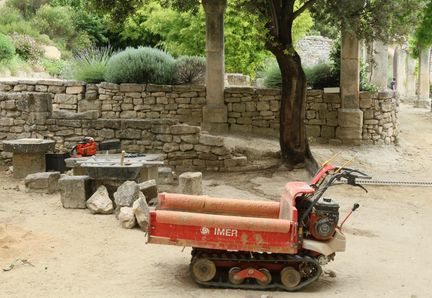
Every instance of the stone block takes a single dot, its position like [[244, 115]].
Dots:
[[210, 140], [350, 118], [100, 202], [332, 98], [349, 133], [328, 132], [25, 164], [75, 89], [237, 161], [126, 194], [126, 217], [165, 175], [75, 191], [191, 183], [45, 182], [365, 103], [184, 129], [141, 211], [313, 130], [215, 113], [149, 189]]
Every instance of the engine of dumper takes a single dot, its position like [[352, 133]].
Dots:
[[323, 218]]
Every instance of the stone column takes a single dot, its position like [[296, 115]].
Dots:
[[400, 71], [380, 65], [350, 117], [411, 82], [215, 114], [423, 99]]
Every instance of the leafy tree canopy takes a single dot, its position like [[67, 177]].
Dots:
[[422, 38]]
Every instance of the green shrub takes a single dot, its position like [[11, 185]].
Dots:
[[55, 68], [14, 67], [56, 22], [7, 48], [190, 70], [11, 21], [272, 76], [90, 65], [365, 85], [26, 47], [321, 76], [26, 7], [141, 65]]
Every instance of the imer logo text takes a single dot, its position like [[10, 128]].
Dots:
[[219, 232]]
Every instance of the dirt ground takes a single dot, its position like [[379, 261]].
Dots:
[[71, 253]]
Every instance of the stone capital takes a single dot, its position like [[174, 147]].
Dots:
[[214, 6]]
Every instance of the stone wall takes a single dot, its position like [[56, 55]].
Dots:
[[314, 49], [123, 101], [253, 110], [250, 110], [380, 117], [25, 115]]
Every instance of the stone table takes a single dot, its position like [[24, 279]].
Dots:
[[28, 155], [106, 169]]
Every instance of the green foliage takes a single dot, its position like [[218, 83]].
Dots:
[[14, 67], [371, 20], [141, 65], [61, 24], [57, 22], [318, 76], [7, 48], [321, 76], [422, 37], [26, 7], [117, 10], [365, 85], [11, 21], [55, 68], [190, 70], [272, 76], [183, 33], [27, 48], [90, 65]]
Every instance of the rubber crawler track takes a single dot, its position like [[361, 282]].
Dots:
[[248, 257]]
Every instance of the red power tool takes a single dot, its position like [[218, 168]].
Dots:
[[86, 147]]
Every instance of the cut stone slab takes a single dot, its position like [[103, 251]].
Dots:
[[165, 176], [46, 182], [191, 183], [75, 191], [149, 189], [126, 194], [141, 211], [28, 155], [127, 217], [100, 202]]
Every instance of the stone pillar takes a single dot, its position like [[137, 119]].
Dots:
[[400, 71], [380, 65], [411, 82], [350, 117], [423, 99], [215, 114]]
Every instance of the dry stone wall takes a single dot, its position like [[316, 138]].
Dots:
[[25, 115], [250, 110], [380, 117]]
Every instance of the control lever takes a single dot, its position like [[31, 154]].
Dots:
[[354, 208], [351, 180]]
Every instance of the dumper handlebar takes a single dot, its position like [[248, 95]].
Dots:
[[327, 176]]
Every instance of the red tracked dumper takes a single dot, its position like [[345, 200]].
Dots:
[[256, 244]]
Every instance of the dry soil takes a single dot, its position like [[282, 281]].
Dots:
[[57, 252]]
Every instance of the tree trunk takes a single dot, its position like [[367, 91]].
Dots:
[[293, 140]]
